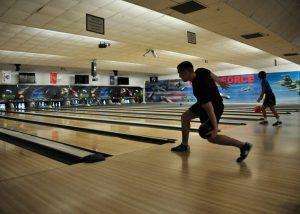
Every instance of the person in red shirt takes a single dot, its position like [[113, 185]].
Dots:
[[209, 108]]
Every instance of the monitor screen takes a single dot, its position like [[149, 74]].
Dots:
[[81, 79], [153, 79], [26, 78], [123, 80]]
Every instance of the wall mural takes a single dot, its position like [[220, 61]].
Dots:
[[82, 94], [244, 89]]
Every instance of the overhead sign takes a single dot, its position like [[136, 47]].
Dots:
[[53, 78], [112, 80], [95, 24], [6, 77], [238, 79], [191, 37]]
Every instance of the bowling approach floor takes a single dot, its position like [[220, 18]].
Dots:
[[148, 178]]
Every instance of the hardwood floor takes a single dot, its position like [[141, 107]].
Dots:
[[154, 180]]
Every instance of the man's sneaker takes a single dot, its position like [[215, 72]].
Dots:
[[277, 123], [244, 152], [264, 122], [181, 148]]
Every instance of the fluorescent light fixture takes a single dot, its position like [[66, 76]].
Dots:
[[19, 54], [241, 47], [172, 70], [283, 61], [225, 65], [118, 63], [176, 55], [74, 37], [51, 34]]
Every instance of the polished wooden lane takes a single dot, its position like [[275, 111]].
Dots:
[[137, 116], [105, 144], [122, 117], [133, 112], [248, 114], [154, 132], [227, 110], [182, 110], [16, 161], [154, 180]]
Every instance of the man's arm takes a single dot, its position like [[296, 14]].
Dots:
[[218, 81], [262, 93]]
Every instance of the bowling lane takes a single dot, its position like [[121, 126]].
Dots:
[[292, 107], [105, 144], [125, 118], [16, 161], [129, 112], [227, 112], [135, 130]]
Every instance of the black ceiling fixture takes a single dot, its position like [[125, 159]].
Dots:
[[252, 35], [188, 7], [291, 54], [18, 67]]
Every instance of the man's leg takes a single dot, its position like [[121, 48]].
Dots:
[[205, 131], [186, 118], [228, 141], [278, 122], [274, 112], [244, 147], [264, 113]]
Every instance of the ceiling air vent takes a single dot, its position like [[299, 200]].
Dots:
[[291, 54], [188, 7], [252, 35]]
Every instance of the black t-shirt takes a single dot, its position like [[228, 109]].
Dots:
[[205, 89]]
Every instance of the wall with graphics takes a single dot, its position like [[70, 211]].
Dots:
[[82, 94], [65, 76], [244, 88]]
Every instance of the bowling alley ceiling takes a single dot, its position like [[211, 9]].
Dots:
[[53, 33]]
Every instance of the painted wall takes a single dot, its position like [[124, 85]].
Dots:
[[66, 77], [92, 95], [285, 84], [238, 71]]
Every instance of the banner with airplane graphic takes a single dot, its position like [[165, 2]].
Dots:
[[244, 89]]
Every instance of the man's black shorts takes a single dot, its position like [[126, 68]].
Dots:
[[206, 126], [201, 113], [269, 100]]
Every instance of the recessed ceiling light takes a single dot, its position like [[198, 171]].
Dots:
[[188, 7], [252, 35], [291, 54]]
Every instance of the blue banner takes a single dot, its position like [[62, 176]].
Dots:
[[244, 89]]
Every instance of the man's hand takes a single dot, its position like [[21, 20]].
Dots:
[[213, 134], [218, 80], [224, 85]]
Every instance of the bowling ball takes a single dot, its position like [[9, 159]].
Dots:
[[257, 109]]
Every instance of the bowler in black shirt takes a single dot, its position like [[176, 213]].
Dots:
[[209, 108]]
